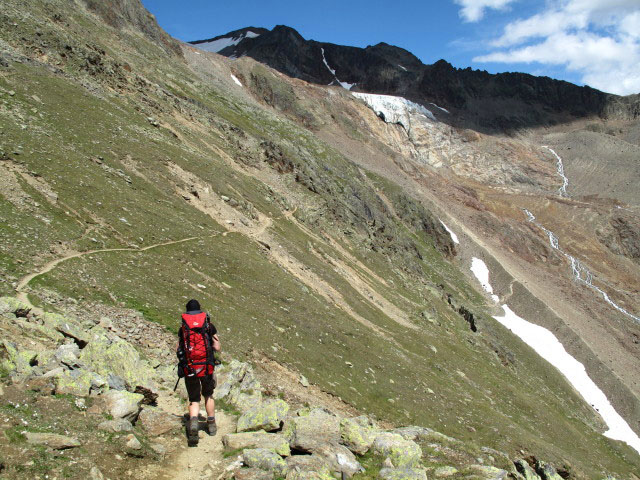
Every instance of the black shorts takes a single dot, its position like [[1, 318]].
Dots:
[[197, 385]]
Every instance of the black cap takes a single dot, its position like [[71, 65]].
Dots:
[[193, 305]]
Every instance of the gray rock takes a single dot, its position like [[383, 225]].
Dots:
[[132, 442], [95, 474], [252, 474], [265, 460], [486, 472], [52, 440], [546, 471], [340, 459], [119, 425], [260, 439], [402, 474], [357, 434], [158, 448], [525, 470], [155, 421], [267, 416], [116, 382], [123, 404], [310, 432], [442, 472], [402, 452]]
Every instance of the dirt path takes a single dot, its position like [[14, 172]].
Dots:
[[204, 461], [24, 281]]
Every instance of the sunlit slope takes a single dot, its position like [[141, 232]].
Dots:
[[299, 254]]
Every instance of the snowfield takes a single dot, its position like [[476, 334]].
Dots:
[[216, 45], [549, 347]]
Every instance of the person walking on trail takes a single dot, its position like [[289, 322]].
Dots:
[[197, 342]]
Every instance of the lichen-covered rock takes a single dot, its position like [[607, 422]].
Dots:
[[74, 382], [121, 404], [357, 434], [229, 376], [24, 361], [310, 432], [115, 356], [67, 327], [265, 460], [156, 422], [252, 474], [402, 474], [52, 440], [260, 439], [546, 471], [340, 459], [116, 426], [486, 472], [244, 401], [424, 434], [308, 467], [66, 355], [525, 470], [266, 416], [442, 472], [12, 304], [8, 355], [402, 452]]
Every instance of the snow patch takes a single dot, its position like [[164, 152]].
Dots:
[[345, 85], [454, 237], [402, 68], [481, 272], [221, 43], [560, 167], [549, 347], [394, 109], [545, 344], [235, 79], [580, 271]]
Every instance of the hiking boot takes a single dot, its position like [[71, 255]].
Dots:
[[192, 431], [212, 428]]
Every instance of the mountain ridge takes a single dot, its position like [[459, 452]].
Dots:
[[504, 101]]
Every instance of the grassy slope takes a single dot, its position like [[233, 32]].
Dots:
[[524, 405]]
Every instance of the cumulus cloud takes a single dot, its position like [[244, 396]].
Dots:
[[599, 39], [473, 10]]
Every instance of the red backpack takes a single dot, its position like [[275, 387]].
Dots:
[[198, 346]]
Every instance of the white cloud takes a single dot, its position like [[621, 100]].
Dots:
[[473, 10], [599, 39]]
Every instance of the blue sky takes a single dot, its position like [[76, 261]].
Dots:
[[596, 42]]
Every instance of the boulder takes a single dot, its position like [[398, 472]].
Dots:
[[67, 355], [12, 305], [67, 327], [486, 472], [266, 416], [74, 382], [132, 443], [402, 452], [265, 460], [116, 357], [402, 474], [546, 471], [52, 440], [306, 464], [229, 376], [442, 472], [525, 470], [122, 404], [357, 434], [260, 439], [116, 426], [252, 474], [310, 432], [340, 460], [156, 422], [95, 474], [425, 434]]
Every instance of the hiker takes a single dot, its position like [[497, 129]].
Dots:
[[197, 342]]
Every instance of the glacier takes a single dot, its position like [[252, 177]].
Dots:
[[394, 109]]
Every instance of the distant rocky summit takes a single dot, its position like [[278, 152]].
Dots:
[[475, 98]]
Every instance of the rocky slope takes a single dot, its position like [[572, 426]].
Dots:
[[86, 392], [311, 228]]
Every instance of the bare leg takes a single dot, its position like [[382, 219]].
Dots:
[[194, 409], [210, 406]]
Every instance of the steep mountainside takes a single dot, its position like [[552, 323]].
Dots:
[[476, 99], [309, 222]]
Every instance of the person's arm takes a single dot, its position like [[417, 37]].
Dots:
[[215, 340]]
